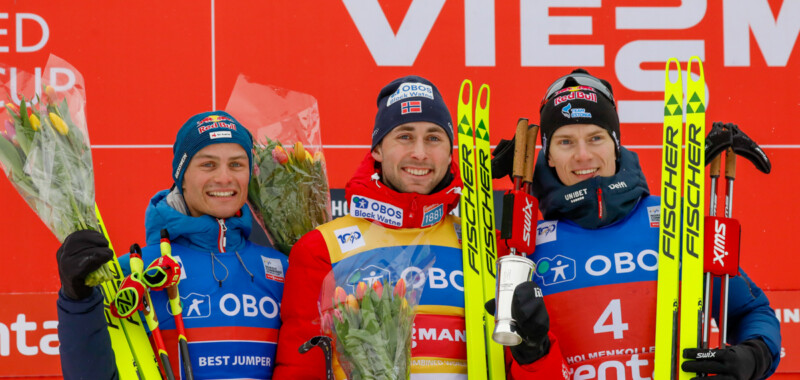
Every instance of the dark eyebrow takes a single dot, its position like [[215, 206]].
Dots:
[[214, 157], [431, 129]]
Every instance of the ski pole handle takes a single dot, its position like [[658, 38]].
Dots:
[[730, 164], [714, 166], [530, 150], [520, 139]]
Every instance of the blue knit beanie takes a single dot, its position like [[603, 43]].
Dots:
[[202, 130], [409, 99]]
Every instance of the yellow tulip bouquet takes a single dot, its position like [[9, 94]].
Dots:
[[369, 311], [45, 153], [289, 190]]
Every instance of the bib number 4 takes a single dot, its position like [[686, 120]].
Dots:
[[611, 320]]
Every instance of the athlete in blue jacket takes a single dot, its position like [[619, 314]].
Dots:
[[597, 258], [230, 288]]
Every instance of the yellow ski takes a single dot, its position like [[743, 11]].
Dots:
[[487, 239], [669, 231], [691, 304], [470, 240], [134, 355]]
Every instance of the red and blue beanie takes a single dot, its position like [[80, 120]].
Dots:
[[202, 130], [409, 99]]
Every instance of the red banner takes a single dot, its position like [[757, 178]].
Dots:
[[148, 67]]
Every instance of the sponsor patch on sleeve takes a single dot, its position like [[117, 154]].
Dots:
[[654, 214], [273, 269], [349, 238], [546, 231]]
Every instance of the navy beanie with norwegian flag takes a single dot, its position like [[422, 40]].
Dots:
[[409, 99], [202, 130]]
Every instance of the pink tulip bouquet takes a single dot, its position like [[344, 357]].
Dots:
[[368, 304]]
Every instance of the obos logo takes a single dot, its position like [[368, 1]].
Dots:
[[556, 270], [369, 274], [432, 214], [349, 238], [367, 208], [546, 232], [196, 305], [410, 90]]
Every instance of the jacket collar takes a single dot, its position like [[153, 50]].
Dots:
[[371, 199], [204, 233], [595, 202]]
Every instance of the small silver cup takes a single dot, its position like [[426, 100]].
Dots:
[[512, 270]]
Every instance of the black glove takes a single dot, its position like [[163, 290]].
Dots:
[[81, 253], [749, 360], [503, 158], [527, 308]]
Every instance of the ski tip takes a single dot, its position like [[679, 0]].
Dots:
[[483, 97], [673, 66], [465, 90], [699, 62]]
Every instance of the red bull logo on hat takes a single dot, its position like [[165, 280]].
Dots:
[[217, 124], [214, 119]]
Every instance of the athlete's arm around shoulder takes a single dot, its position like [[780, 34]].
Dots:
[[309, 264]]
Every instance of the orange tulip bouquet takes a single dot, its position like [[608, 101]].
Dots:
[[45, 153], [370, 312], [289, 190]]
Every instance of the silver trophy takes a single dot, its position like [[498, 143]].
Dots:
[[518, 230], [512, 270]]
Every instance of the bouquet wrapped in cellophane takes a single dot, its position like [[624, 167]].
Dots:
[[289, 188], [45, 153], [367, 305]]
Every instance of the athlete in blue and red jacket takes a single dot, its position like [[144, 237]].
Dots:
[[231, 289], [597, 257]]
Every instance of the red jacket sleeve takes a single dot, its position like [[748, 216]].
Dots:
[[309, 263], [551, 366]]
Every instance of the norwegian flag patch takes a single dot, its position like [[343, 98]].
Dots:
[[411, 106]]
